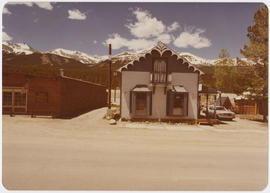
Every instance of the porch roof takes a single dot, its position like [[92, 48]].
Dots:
[[179, 88], [205, 90], [141, 88]]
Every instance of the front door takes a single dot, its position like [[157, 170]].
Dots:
[[141, 103]]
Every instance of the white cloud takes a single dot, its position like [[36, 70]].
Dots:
[[6, 37], [146, 25], [29, 4], [165, 38], [43, 5], [174, 26], [133, 44], [195, 40], [148, 30], [6, 11], [76, 14]]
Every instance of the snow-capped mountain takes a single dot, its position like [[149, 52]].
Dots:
[[126, 56], [22, 48], [77, 55], [196, 59], [18, 48]]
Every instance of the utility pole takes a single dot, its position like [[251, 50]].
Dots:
[[110, 75], [215, 106]]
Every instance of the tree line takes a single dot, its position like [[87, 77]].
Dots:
[[245, 75]]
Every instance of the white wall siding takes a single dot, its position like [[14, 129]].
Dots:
[[129, 80], [190, 82], [159, 100]]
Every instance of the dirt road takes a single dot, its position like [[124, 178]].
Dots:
[[86, 153]]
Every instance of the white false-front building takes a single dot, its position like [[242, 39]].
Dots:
[[159, 85]]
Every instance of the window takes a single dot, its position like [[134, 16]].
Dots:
[[141, 101], [177, 103], [7, 98], [159, 71], [20, 99], [41, 97], [14, 101]]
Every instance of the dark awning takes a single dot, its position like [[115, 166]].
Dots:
[[179, 88], [141, 88], [206, 90]]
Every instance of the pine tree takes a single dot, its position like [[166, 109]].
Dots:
[[224, 72], [257, 52]]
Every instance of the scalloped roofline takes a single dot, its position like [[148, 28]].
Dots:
[[161, 48]]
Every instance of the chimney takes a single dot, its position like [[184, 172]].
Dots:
[[61, 72]]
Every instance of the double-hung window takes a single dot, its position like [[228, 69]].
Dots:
[[159, 71]]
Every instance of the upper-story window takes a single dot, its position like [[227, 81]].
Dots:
[[160, 71]]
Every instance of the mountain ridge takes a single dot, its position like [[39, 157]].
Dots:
[[22, 48]]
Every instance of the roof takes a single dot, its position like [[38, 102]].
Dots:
[[222, 100], [231, 96], [82, 81], [8, 70], [161, 48], [206, 90]]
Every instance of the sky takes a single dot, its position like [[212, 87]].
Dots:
[[202, 29]]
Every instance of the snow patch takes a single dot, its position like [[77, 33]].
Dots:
[[18, 48], [77, 55]]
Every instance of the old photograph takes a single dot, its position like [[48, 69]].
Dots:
[[135, 96]]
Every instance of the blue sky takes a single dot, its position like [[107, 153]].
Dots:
[[202, 29]]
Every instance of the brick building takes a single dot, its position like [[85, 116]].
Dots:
[[54, 95]]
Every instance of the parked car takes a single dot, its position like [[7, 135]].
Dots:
[[221, 113]]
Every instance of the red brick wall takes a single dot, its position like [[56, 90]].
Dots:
[[50, 85], [66, 97], [46, 85], [78, 97]]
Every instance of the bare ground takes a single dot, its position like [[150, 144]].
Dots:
[[86, 153]]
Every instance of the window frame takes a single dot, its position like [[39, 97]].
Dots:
[[170, 96], [20, 98], [133, 98], [4, 97], [153, 70], [14, 108]]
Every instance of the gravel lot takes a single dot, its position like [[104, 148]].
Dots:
[[86, 153]]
